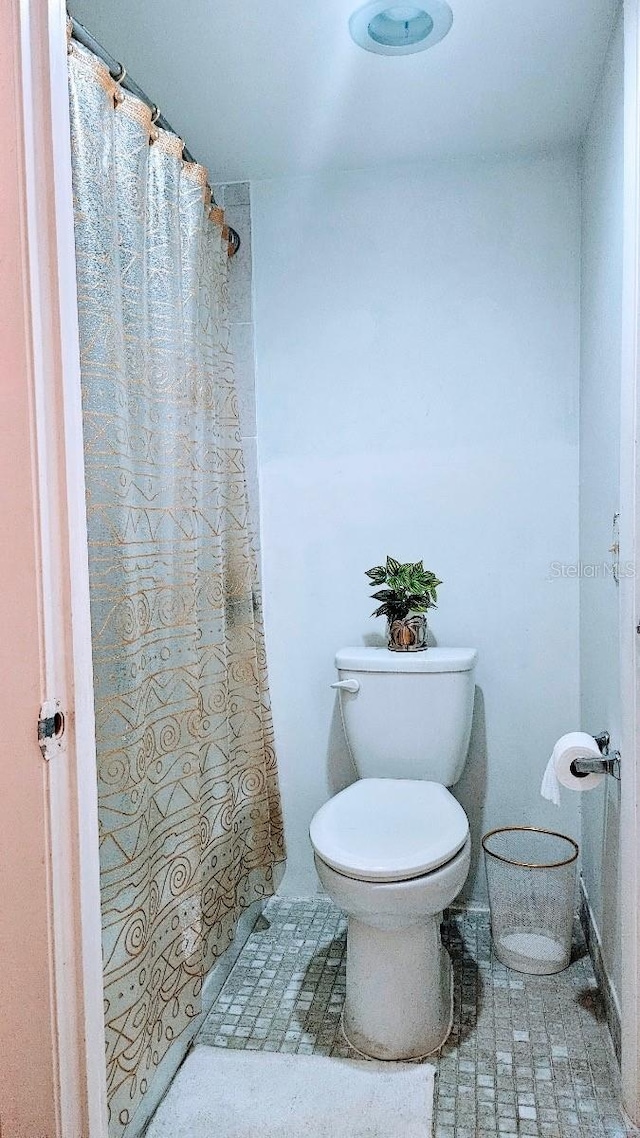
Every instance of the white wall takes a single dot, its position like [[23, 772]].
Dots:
[[417, 337], [602, 171]]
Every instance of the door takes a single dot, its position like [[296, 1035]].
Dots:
[[28, 1088], [52, 1071]]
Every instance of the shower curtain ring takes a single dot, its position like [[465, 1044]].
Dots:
[[118, 94], [154, 133]]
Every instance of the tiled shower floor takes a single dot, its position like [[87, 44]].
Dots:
[[527, 1054]]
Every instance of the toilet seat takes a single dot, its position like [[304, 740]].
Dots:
[[386, 829]]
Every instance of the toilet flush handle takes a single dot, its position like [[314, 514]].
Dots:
[[347, 685]]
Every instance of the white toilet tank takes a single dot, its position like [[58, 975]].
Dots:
[[410, 716]]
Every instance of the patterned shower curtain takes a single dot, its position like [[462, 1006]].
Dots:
[[189, 808]]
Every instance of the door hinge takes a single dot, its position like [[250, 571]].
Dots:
[[50, 728]]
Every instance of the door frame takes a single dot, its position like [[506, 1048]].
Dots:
[[73, 800], [630, 585]]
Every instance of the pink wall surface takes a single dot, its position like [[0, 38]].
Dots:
[[27, 1050]]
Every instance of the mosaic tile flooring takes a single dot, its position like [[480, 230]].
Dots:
[[527, 1054]]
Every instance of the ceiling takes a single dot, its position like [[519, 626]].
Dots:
[[268, 88]]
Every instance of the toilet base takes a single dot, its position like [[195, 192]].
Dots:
[[399, 1001]]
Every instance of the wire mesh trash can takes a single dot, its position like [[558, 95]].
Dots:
[[531, 876]]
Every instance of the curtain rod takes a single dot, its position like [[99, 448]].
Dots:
[[119, 74]]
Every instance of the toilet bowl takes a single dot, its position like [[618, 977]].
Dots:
[[393, 849], [393, 854]]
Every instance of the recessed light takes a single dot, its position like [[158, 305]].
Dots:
[[400, 29]]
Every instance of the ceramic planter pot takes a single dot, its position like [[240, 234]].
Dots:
[[408, 634]]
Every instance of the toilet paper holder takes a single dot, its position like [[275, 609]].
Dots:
[[608, 764]]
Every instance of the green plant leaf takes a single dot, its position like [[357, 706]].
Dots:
[[382, 611], [419, 602], [409, 588]]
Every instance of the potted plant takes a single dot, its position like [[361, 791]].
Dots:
[[411, 590]]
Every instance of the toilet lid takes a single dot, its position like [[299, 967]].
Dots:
[[387, 829]]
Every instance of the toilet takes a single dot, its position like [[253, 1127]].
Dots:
[[393, 849]]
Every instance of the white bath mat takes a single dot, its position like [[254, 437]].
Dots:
[[246, 1094]]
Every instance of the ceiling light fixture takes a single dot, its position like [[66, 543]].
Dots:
[[400, 29]]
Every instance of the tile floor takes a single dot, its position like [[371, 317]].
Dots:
[[527, 1054]]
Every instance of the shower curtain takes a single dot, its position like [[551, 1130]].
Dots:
[[189, 809]]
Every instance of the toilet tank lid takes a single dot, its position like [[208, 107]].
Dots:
[[383, 660]]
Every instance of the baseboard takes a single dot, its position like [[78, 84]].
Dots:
[[213, 982], [607, 991]]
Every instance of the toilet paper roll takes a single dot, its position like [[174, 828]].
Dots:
[[575, 745]]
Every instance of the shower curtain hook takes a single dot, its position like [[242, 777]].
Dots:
[[233, 240], [154, 133], [118, 94]]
